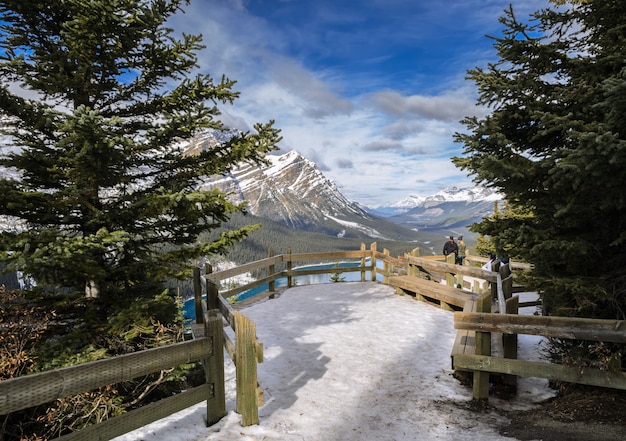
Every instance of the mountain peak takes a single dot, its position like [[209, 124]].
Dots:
[[290, 189], [465, 194]]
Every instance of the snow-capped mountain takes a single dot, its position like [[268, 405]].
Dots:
[[408, 203], [453, 208], [464, 195], [293, 191]]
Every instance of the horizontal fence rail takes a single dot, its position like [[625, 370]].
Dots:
[[32, 390], [213, 307], [613, 331], [37, 389], [548, 326]]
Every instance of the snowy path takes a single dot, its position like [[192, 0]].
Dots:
[[353, 362]]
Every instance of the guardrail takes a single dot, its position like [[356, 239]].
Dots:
[[210, 342], [287, 260], [32, 390], [245, 350], [511, 325]]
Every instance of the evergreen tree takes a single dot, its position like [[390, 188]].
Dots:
[[98, 98], [554, 144]]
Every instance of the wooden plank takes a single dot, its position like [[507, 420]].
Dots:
[[557, 327], [246, 370], [253, 284], [227, 311], [443, 268], [438, 291], [391, 260], [571, 374], [242, 269], [137, 418], [464, 340], [328, 256], [214, 368], [31, 390], [509, 342], [480, 386]]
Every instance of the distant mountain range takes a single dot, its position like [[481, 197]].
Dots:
[[452, 209], [294, 192], [454, 194]]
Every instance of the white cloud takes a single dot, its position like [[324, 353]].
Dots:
[[449, 107], [379, 134]]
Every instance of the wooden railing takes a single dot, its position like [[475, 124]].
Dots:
[[287, 261], [208, 346], [246, 351], [32, 390], [391, 266], [482, 362], [491, 285]]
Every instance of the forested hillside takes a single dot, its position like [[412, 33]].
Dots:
[[279, 238]]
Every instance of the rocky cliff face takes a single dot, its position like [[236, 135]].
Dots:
[[291, 190]]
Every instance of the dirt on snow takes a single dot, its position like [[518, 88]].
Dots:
[[585, 414]]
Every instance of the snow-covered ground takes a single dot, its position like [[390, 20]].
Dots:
[[354, 362]]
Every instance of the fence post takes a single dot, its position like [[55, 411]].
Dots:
[[495, 266], [246, 369], [211, 291], [412, 269], [509, 343], [507, 280], [271, 270], [197, 295], [373, 247], [363, 248], [480, 385], [214, 368], [289, 267], [387, 268]]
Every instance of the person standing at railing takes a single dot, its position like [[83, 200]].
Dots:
[[462, 250], [451, 247]]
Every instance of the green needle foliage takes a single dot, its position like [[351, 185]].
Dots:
[[98, 97], [554, 144]]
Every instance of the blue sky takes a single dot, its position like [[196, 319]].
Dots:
[[371, 91]]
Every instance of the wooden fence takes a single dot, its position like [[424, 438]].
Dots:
[[482, 362], [208, 346], [32, 390], [287, 261], [415, 274], [246, 351]]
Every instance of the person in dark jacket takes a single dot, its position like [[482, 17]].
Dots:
[[451, 247]]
